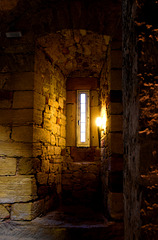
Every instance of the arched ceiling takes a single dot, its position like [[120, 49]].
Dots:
[[46, 16], [77, 52]]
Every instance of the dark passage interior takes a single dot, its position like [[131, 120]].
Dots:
[[78, 119]]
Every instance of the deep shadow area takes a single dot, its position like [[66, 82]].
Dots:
[[65, 223]]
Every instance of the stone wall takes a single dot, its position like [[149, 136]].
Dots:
[[33, 115], [81, 166], [49, 133], [32, 125], [140, 119], [111, 140], [17, 181], [32, 118], [81, 176], [79, 55]]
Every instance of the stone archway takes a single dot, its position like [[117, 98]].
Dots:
[[26, 115], [72, 56]]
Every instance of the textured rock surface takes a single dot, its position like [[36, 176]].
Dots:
[[140, 118]]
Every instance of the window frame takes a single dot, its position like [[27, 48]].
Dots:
[[87, 122]]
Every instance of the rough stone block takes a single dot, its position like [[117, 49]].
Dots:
[[51, 150], [19, 81], [37, 149], [115, 205], [115, 108], [116, 96], [26, 211], [116, 142], [45, 166], [116, 162], [50, 103], [26, 166], [58, 130], [42, 178], [115, 123], [83, 32], [116, 80], [37, 208], [17, 189], [12, 149], [48, 123], [6, 95], [17, 62], [37, 116], [82, 154], [54, 128], [8, 166], [116, 45], [57, 150], [21, 211], [22, 133], [4, 212], [56, 104], [116, 59], [115, 181], [106, 39], [5, 103], [19, 116], [71, 125], [57, 166], [51, 178], [61, 102], [52, 140], [23, 99], [39, 101], [62, 142], [4, 133], [38, 82], [63, 121], [41, 135]]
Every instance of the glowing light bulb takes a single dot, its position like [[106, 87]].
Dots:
[[98, 121]]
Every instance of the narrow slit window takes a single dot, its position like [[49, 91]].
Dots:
[[83, 119]]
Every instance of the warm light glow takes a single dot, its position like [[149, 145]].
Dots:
[[104, 118], [101, 121], [104, 122], [98, 121]]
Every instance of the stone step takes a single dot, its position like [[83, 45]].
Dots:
[[10, 231], [68, 222]]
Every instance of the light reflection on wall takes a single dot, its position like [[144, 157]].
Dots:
[[103, 119]]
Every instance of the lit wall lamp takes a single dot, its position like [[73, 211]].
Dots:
[[101, 124]]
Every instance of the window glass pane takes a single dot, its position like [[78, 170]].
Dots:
[[83, 117], [83, 128], [83, 137], [83, 98], [83, 107]]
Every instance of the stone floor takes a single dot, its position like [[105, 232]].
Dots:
[[66, 223]]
